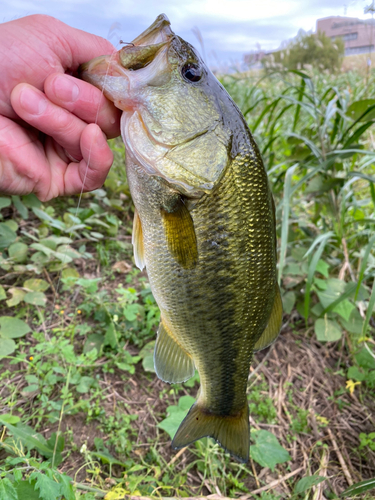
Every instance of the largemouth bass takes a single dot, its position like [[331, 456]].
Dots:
[[204, 225]]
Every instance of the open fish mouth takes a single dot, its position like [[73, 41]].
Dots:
[[111, 72]]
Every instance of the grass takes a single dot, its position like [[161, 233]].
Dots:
[[82, 414]]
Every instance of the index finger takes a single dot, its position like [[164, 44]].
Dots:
[[85, 101]]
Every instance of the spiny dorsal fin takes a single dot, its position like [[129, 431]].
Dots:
[[137, 240], [172, 363], [272, 329], [232, 432], [180, 233]]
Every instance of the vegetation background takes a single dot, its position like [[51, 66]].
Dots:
[[82, 414]]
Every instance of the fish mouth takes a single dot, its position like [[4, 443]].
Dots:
[[113, 73]]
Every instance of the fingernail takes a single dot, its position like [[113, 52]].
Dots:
[[101, 140], [65, 88], [32, 101]]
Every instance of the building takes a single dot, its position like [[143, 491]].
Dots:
[[357, 34]]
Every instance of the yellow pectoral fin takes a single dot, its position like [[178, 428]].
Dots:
[[180, 233], [272, 329], [137, 240], [172, 363]]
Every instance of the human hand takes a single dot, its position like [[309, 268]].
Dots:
[[51, 139]]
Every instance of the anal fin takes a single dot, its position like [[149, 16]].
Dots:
[[172, 363], [232, 432], [137, 240], [180, 234], [272, 329]]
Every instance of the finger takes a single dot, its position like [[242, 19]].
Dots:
[[23, 164], [92, 171], [33, 106], [85, 101]]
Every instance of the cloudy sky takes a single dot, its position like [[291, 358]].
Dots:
[[229, 28]]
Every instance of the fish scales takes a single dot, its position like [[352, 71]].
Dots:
[[207, 239]]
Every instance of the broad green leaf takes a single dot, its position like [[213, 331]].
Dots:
[[48, 489], [28, 437], [355, 374], [66, 487], [344, 309], [322, 268], [365, 359], [94, 341], [57, 448], [176, 415], [104, 454], [26, 490], [7, 347], [267, 451], [370, 310], [31, 201], [22, 210], [354, 323], [69, 272], [335, 288], [3, 294], [18, 252], [327, 330], [36, 285], [69, 251], [7, 490], [12, 419], [147, 354], [58, 224], [358, 108], [289, 299], [322, 240], [131, 312], [110, 337], [12, 328], [85, 384], [35, 299], [358, 488], [7, 236], [12, 224], [4, 202], [307, 482], [17, 297]]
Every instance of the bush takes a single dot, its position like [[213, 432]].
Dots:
[[314, 49]]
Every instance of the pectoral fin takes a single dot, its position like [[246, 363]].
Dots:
[[137, 240], [272, 329], [180, 233], [172, 363]]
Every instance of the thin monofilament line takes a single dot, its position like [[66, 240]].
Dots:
[[84, 178]]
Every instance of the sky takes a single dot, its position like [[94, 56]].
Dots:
[[229, 28]]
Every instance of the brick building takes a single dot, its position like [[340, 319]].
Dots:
[[357, 34]]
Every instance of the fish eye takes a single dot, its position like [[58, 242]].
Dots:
[[191, 72]]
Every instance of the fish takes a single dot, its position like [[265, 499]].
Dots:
[[204, 225]]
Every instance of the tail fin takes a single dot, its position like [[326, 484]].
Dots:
[[231, 432]]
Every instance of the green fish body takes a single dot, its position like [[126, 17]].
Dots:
[[204, 226]]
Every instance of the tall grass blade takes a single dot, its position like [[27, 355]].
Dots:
[[285, 218], [358, 488], [364, 263], [370, 310], [312, 267], [298, 107]]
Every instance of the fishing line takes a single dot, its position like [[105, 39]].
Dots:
[[85, 174]]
